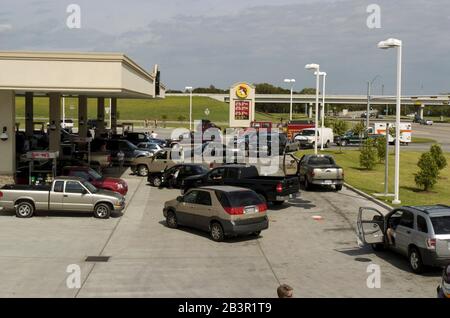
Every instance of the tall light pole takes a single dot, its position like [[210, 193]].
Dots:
[[290, 81], [369, 92], [316, 68], [64, 112], [388, 44], [189, 89], [322, 113]]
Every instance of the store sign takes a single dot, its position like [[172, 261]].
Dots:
[[242, 105], [42, 155]]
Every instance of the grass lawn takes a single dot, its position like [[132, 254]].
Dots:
[[373, 181], [419, 140]]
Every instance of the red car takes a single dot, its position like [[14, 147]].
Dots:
[[96, 179]]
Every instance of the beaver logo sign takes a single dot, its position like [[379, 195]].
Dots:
[[242, 105]]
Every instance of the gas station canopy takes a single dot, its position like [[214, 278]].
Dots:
[[68, 73]]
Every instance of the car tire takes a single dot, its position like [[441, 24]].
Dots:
[[156, 182], [24, 209], [102, 211], [142, 170], [307, 185], [415, 261], [327, 144], [171, 220], [338, 187], [256, 234], [216, 232], [377, 247], [343, 143]]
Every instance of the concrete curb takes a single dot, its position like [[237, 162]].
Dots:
[[369, 197]]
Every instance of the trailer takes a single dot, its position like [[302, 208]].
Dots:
[[405, 131]]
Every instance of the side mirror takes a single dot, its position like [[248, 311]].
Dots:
[[180, 199]]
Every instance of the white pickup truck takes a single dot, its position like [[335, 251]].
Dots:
[[65, 194]]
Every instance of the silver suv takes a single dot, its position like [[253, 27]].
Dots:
[[422, 233]]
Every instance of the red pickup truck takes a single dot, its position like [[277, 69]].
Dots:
[[96, 179]]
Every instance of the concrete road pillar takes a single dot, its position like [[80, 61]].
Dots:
[[29, 116], [100, 116], [8, 146], [54, 130], [422, 107], [310, 111], [82, 116], [113, 111]]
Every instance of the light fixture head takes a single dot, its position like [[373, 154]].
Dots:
[[312, 66], [321, 73], [287, 80], [389, 43], [4, 136], [189, 88]]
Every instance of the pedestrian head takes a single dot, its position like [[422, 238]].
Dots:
[[285, 291]]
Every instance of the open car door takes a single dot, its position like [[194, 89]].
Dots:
[[370, 226], [290, 164]]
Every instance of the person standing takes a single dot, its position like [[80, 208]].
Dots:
[[443, 291], [153, 134]]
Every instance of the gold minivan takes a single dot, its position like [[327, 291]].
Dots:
[[220, 210]]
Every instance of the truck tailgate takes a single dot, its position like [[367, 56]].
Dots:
[[328, 173]]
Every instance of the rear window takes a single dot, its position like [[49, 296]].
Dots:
[[243, 198], [318, 161], [441, 224]]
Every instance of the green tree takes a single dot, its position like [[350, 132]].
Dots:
[[340, 127], [308, 91], [359, 130], [368, 154], [181, 118], [438, 156], [428, 173], [380, 144]]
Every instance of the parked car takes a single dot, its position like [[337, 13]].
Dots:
[[220, 210], [422, 233], [130, 151], [136, 137], [65, 194], [350, 138], [67, 124], [257, 142], [150, 147], [306, 137], [96, 179], [159, 161], [319, 170], [174, 176], [270, 188]]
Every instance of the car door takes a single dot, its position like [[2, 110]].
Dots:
[[203, 211], [216, 176], [404, 232], [57, 196], [370, 226], [186, 208], [76, 197], [302, 168], [421, 231]]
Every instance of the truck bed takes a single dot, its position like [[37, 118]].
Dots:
[[25, 187]]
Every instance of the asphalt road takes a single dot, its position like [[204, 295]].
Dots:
[[318, 258]]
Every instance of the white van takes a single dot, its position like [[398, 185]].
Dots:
[[405, 131], [306, 137]]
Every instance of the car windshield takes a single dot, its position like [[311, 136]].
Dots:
[[320, 161], [90, 187], [441, 224], [95, 175], [307, 133], [243, 198]]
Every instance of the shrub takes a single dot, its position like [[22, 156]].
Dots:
[[367, 157], [438, 156], [380, 145], [428, 173], [181, 118]]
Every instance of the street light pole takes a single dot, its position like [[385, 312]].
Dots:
[[291, 81], [316, 68], [395, 43], [189, 88], [324, 75], [369, 92]]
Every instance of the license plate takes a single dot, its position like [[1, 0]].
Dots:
[[250, 210], [327, 182]]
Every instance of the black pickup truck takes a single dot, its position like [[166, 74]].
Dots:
[[270, 188]]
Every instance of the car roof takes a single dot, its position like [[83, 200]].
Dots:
[[227, 189], [431, 210], [69, 179]]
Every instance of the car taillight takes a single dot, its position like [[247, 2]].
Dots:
[[279, 187], [1, 194], [262, 207], [431, 244], [234, 210], [312, 174]]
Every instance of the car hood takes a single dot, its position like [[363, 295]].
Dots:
[[108, 180], [108, 193]]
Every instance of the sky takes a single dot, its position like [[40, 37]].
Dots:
[[202, 42]]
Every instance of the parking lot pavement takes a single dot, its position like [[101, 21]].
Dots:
[[319, 258]]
